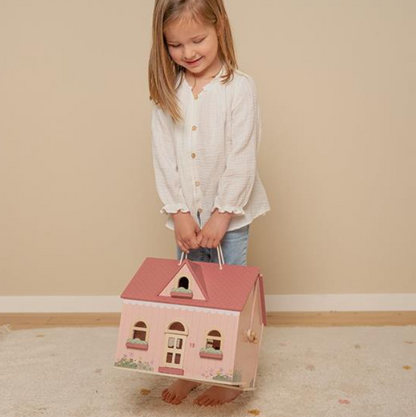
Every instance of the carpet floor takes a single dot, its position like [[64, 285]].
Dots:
[[303, 372]]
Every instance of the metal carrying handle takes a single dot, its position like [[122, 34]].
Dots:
[[221, 260]]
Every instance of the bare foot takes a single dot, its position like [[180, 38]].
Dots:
[[217, 396], [177, 391]]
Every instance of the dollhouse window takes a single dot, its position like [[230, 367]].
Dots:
[[214, 340], [177, 326], [184, 283], [183, 289], [140, 331]]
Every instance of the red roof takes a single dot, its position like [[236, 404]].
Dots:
[[225, 289]]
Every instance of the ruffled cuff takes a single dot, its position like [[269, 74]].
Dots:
[[174, 208], [236, 211]]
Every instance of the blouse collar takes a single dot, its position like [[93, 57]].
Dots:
[[206, 86]]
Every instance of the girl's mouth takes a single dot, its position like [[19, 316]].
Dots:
[[194, 62]]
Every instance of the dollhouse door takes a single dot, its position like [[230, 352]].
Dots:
[[174, 350], [175, 342]]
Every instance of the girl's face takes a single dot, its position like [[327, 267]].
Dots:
[[193, 45]]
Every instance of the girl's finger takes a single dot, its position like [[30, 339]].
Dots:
[[204, 242], [194, 243], [209, 242], [189, 244], [182, 247], [185, 241], [188, 239]]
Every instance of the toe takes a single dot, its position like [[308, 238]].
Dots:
[[206, 401], [202, 399], [199, 399]]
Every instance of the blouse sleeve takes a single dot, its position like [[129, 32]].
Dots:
[[237, 181], [164, 163]]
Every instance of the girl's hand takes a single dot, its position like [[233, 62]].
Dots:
[[186, 231], [214, 229]]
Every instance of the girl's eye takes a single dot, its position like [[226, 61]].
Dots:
[[176, 46]]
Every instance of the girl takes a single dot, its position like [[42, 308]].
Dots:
[[205, 136]]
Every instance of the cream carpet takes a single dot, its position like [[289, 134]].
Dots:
[[303, 372]]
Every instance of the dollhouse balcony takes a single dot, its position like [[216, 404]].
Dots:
[[210, 353], [137, 344], [181, 293]]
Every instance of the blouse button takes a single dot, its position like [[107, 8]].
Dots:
[[193, 127], [197, 183], [200, 210], [193, 155]]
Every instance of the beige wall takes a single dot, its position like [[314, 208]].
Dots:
[[78, 207]]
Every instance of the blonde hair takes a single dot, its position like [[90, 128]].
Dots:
[[163, 71]]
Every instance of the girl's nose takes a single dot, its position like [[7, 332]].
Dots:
[[188, 54]]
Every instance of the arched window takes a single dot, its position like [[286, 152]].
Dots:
[[140, 331], [183, 282], [214, 340], [177, 326]]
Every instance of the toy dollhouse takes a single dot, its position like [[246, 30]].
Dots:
[[194, 320]]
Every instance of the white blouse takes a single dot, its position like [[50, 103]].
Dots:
[[208, 160]]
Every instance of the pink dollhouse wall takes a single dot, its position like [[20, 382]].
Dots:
[[198, 322]]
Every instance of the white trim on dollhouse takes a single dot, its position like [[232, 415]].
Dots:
[[181, 307]]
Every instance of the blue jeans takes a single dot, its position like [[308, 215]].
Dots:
[[234, 246]]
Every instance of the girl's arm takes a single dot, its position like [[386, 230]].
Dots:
[[237, 181], [168, 184], [164, 163]]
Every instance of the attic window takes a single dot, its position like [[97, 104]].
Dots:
[[184, 283], [182, 290]]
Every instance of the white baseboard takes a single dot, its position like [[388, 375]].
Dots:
[[278, 303], [341, 302]]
